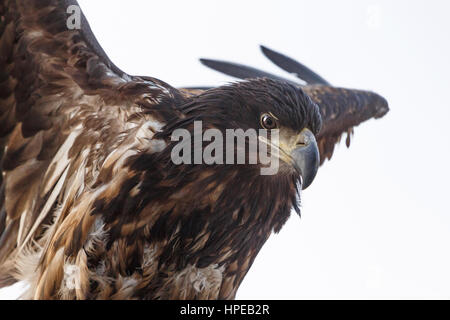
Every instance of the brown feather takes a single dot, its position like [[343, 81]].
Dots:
[[341, 111], [87, 181]]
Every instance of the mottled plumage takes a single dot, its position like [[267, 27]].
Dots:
[[91, 205]]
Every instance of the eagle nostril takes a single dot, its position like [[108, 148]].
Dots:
[[302, 140]]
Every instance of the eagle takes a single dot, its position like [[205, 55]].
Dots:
[[92, 205]]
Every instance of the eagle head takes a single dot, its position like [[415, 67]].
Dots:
[[265, 108]]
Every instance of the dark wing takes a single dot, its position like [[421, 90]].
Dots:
[[294, 67], [63, 106], [341, 109], [240, 71]]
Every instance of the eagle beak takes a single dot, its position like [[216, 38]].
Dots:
[[306, 157]]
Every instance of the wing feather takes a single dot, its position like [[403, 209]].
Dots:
[[294, 67], [64, 107], [342, 110]]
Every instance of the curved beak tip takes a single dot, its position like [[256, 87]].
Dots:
[[307, 159]]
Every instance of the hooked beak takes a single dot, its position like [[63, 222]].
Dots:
[[306, 157]]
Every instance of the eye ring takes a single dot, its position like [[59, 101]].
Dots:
[[268, 121]]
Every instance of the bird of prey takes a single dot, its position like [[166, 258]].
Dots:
[[92, 205]]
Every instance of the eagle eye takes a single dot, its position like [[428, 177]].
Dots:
[[268, 121]]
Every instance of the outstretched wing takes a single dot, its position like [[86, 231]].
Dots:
[[63, 106], [341, 109]]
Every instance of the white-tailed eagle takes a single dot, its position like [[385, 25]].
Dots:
[[92, 205]]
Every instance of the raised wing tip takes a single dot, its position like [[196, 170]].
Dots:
[[206, 62], [293, 66], [265, 49], [241, 71], [229, 68], [220, 65]]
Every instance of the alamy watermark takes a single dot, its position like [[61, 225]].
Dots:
[[234, 146], [74, 20], [374, 17]]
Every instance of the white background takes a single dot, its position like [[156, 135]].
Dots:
[[375, 223]]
